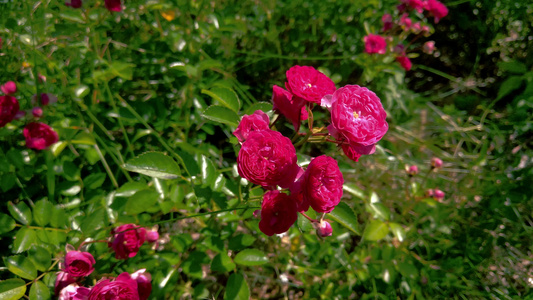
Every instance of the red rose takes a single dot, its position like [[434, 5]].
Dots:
[[122, 288], [79, 264], [39, 136], [322, 184], [293, 108], [405, 62], [357, 118], [249, 123], [126, 241], [437, 9], [267, 158], [9, 88], [415, 4], [144, 283], [9, 106], [308, 83], [63, 279], [375, 43], [113, 5], [297, 192], [278, 213]]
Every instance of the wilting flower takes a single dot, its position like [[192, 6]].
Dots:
[[122, 288], [375, 43], [126, 240], [79, 264], [9, 107], [9, 88], [308, 83], [250, 123], [322, 184], [278, 213], [39, 136], [429, 47], [144, 283], [113, 5], [324, 229], [292, 107], [405, 62], [74, 292], [437, 9]]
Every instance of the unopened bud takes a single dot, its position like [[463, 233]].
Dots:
[[438, 194], [152, 236], [37, 112], [9, 88], [324, 229], [257, 214], [436, 162], [411, 170]]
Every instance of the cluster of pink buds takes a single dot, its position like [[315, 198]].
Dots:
[[268, 158], [111, 5], [408, 23]]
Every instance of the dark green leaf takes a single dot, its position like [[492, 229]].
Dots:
[[263, 106], [24, 239], [21, 212], [92, 221], [154, 164], [222, 263], [39, 291], [42, 211], [58, 217], [251, 257], [509, 85], [237, 288], [12, 289], [225, 96], [21, 266], [6, 223], [512, 66], [143, 200], [241, 241], [221, 114], [94, 181], [344, 215], [408, 270], [40, 257], [207, 170]]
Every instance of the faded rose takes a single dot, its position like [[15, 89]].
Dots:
[[9, 107], [63, 279], [357, 119], [322, 184], [122, 288], [113, 5], [79, 264], [144, 283], [405, 62], [74, 292], [437, 9], [375, 43], [127, 239], [267, 158], [308, 83], [293, 108], [278, 213], [39, 136], [9, 88], [250, 123]]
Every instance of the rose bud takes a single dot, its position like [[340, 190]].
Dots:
[[438, 194], [257, 214], [267, 158], [405, 62], [436, 162], [73, 3], [74, 292], [387, 22], [411, 170], [278, 213], [113, 5], [144, 284], [324, 229], [126, 240], [429, 47], [152, 236], [122, 288], [9, 88], [39, 136], [430, 193], [357, 119], [9, 107], [63, 279], [375, 43], [292, 107], [308, 83], [437, 9], [79, 264], [406, 22], [322, 184], [37, 112], [41, 78], [250, 123]]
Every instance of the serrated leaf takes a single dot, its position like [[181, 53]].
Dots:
[[225, 96], [24, 239], [142, 201], [21, 212], [237, 288], [345, 216], [12, 289], [92, 221], [263, 106], [42, 259], [241, 241], [42, 212], [222, 263], [21, 266], [6, 223], [251, 257], [154, 164], [375, 231], [221, 114], [39, 291]]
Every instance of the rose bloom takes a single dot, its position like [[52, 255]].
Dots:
[[113, 5], [9, 88], [126, 241], [375, 43], [249, 123], [122, 288], [267, 158], [436, 162], [308, 83], [9, 107], [437, 9], [418, 5], [39, 136], [278, 213], [293, 108], [322, 184], [357, 119], [354, 153], [63, 279], [144, 283], [74, 292], [405, 62], [405, 21], [438, 194], [297, 192], [79, 264]]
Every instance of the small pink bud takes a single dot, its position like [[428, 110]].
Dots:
[[429, 47], [41, 78], [37, 112], [430, 193], [324, 229], [257, 214], [20, 114], [438, 194], [436, 162], [411, 170], [9, 88], [152, 236]]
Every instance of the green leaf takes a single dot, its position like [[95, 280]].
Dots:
[[263, 106], [92, 221], [122, 69], [408, 270], [251, 257], [344, 215], [12, 289], [6, 223], [39, 291], [41, 257], [42, 212], [380, 210], [509, 85], [24, 239], [81, 91], [225, 96], [83, 138], [207, 170], [142, 201], [398, 231], [20, 211], [221, 114], [237, 288], [222, 263], [375, 231], [512, 66], [304, 224], [241, 241], [154, 164], [354, 190], [94, 181], [58, 217], [21, 266]]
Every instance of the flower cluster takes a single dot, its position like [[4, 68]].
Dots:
[[435, 164], [267, 158], [128, 238], [409, 22], [111, 5]]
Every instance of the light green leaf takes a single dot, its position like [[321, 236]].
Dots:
[[375, 231], [21, 212], [344, 215], [21, 266], [6, 223], [92, 221], [142, 201], [24, 239], [354, 190], [42, 212], [221, 114], [237, 288], [39, 291], [122, 69], [12, 289], [225, 96], [222, 263], [154, 164], [379, 210], [263, 106], [398, 231], [251, 257]]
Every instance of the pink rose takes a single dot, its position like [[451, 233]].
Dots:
[[39, 136], [126, 240], [113, 5], [438, 194], [267, 158], [122, 288], [308, 83], [322, 184], [9, 107], [152, 236], [144, 283], [37, 112], [278, 213], [437, 9], [9, 88], [405, 21], [429, 47], [387, 22], [79, 264], [250, 123], [375, 43], [293, 108], [74, 292], [63, 279], [418, 5], [324, 229], [436, 162], [411, 170], [405, 62], [73, 3], [357, 119]]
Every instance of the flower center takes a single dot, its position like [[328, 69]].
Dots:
[[355, 115]]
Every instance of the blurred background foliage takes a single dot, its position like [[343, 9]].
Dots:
[[139, 80]]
